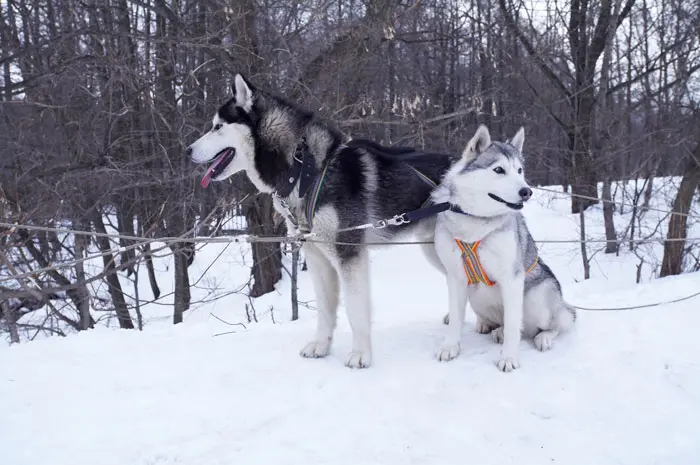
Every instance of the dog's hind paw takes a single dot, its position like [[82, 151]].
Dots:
[[497, 335], [544, 339], [447, 352], [357, 359], [507, 364], [482, 327], [316, 349]]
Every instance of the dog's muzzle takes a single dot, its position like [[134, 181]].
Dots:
[[221, 161], [514, 206]]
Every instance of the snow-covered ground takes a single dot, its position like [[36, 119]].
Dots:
[[622, 388]]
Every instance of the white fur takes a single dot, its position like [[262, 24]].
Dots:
[[328, 274], [326, 288], [236, 136], [503, 309], [244, 96], [469, 189]]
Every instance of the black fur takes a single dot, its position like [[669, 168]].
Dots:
[[399, 188]]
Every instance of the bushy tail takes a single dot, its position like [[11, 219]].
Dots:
[[567, 316]]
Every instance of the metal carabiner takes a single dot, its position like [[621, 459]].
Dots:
[[398, 220]]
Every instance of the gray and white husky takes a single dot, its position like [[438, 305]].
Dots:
[[489, 256], [323, 184]]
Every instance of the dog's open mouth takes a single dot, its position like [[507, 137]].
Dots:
[[221, 161], [514, 206]]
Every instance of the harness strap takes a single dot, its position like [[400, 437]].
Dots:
[[472, 265], [303, 171], [312, 199]]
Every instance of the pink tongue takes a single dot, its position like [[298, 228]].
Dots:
[[207, 176]]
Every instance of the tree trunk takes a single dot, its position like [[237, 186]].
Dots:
[[267, 256], [182, 295], [151, 271], [83, 301], [672, 263], [11, 321], [611, 245], [113, 285], [584, 251], [584, 188]]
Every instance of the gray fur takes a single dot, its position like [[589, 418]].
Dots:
[[491, 156], [364, 182], [526, 296]]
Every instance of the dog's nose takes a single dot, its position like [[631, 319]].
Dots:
[[188, 151], [525, 193]]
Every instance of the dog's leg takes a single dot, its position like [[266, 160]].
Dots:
[[457, 294], [544, 339], [512, 295], [484, 326], [497, 335], [356, 285], [325, 282]]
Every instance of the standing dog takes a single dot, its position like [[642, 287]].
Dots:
[[489, 256], [322, 184]]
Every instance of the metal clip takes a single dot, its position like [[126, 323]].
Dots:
[[381, 224], [398, 220]]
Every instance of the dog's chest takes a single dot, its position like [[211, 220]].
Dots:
[[479, 255]]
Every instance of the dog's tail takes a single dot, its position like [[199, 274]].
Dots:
[[567, 317]]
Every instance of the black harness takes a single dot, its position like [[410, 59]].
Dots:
[[303, 171]]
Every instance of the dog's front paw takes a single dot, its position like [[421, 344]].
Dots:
[[316, 349], [497, 335], [543, 340], [359, 359], [507, 364], [447, 352]]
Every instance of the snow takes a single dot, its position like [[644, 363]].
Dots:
[[621, 388]]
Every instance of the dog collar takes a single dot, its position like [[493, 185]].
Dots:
[[302, 171]]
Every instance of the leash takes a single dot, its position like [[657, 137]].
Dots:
[[409, 217], [303, 171]]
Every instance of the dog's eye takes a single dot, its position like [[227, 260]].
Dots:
[[217, 127], [520, 171], [499, 170]]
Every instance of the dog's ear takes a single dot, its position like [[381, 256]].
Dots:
[[243, 92], [518, 139], [478, 143]]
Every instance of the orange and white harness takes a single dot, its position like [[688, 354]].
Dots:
[[472, 265]]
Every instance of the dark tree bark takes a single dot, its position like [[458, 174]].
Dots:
[[267, 256], [113, 285], [11, 321], [152, 280], [672, 262], [182, 254]]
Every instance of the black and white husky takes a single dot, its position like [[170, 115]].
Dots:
[[322, 184], [489, 256]]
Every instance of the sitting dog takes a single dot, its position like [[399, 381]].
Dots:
[[489, 256]]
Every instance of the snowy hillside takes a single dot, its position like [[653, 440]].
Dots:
[[622, 388]]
